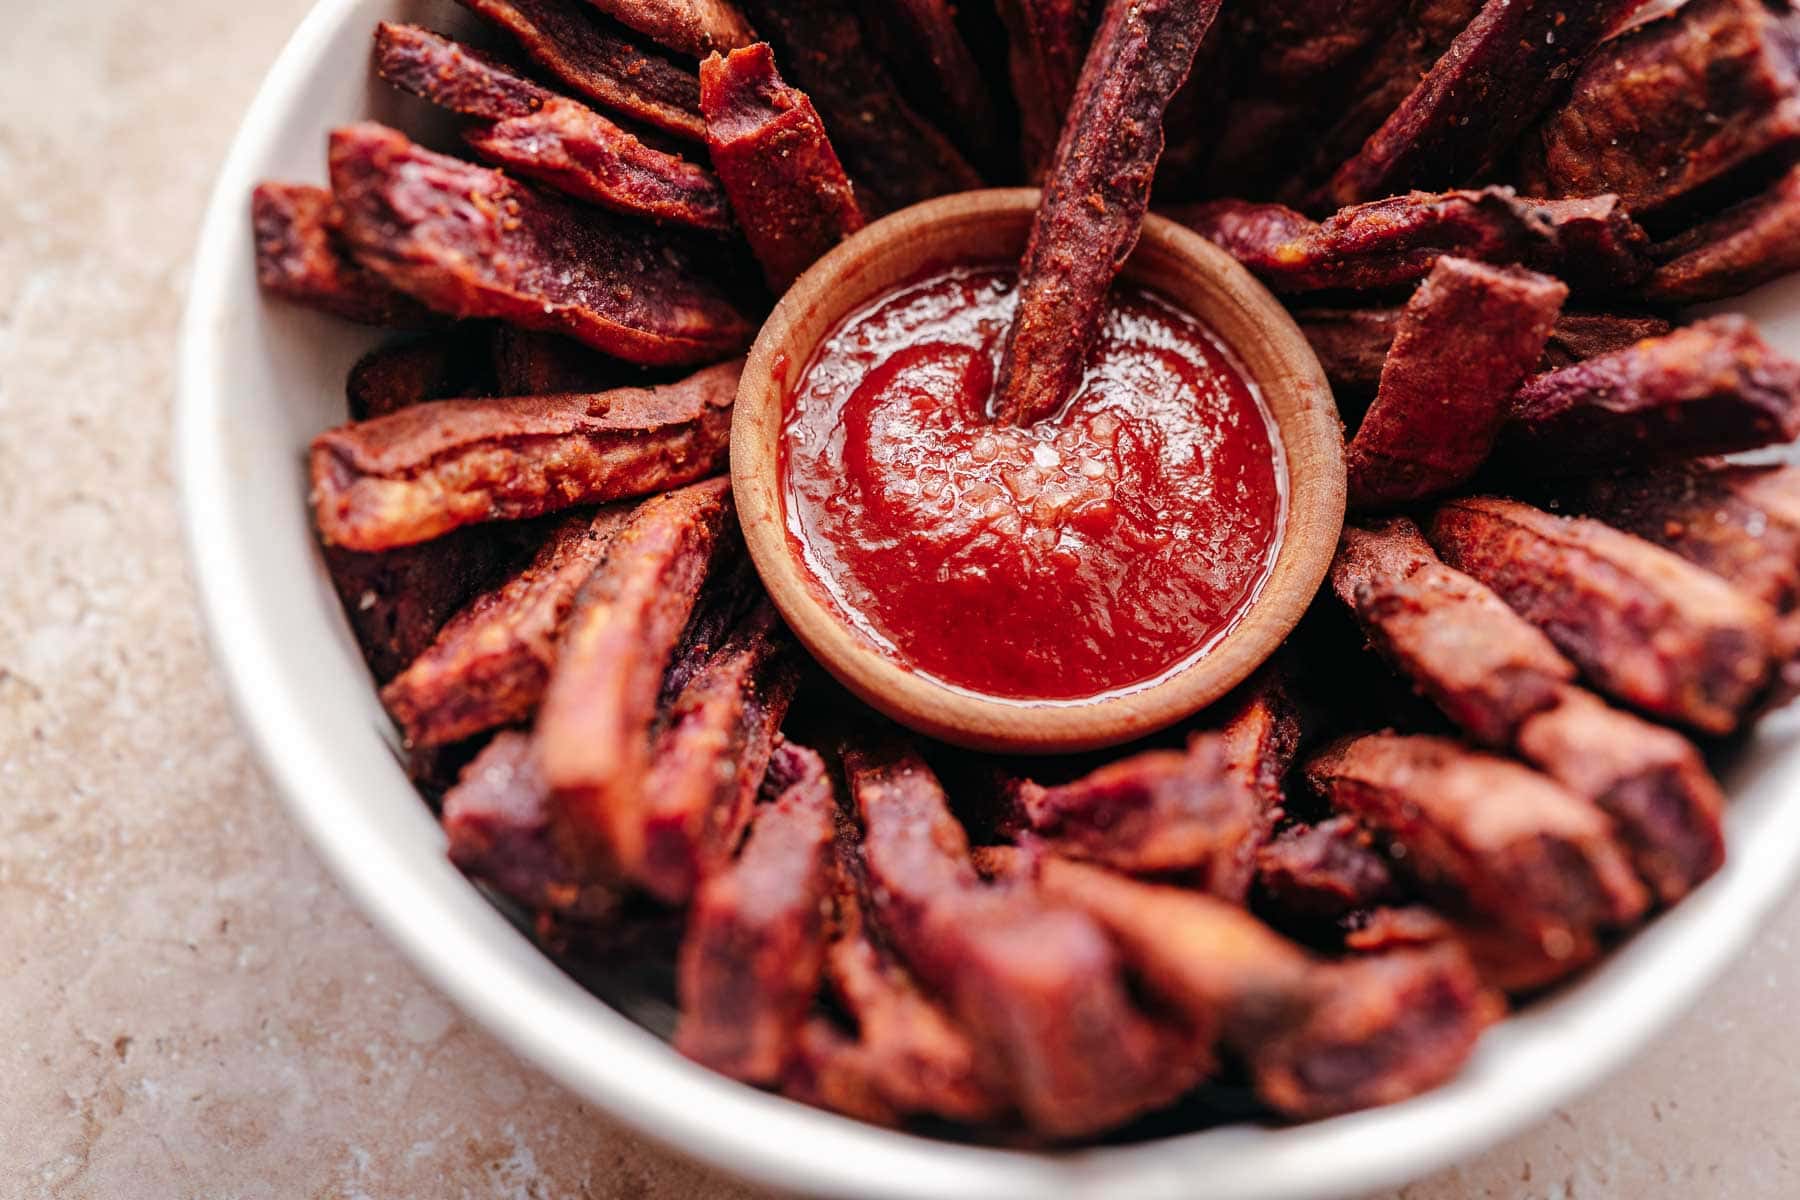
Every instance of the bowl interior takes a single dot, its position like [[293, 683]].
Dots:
[[991, 226], [258, 379]]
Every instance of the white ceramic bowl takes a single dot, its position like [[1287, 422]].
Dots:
[[258, 379]]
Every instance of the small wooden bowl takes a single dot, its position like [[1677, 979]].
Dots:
[[991, 226]]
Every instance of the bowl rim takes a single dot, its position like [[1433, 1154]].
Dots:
[[1523, 1068], [1191, 272]]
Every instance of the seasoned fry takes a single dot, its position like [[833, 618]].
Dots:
[[1353, 343], [895, 156], [1581, 336], [1390, 1027], [462, 79], [1742, 523], [1672, 108], [1644, 626], [830, 1071], [754, 951], [580, 153], [892, 1078], [1201, 813], [1648, 779], [489, 664], [1487, 668], [1253, 749], [1496, 77], [1299, 41], [593, 731], [397, 600], [1095, 197], [1323, 872], [1260, 738], [1466, 340], [300, 257], [1504, 960], [528, 363], [596, 58], [1744, 247], [711, 754], [695, 28], [1730, 519], [436, 366], [1711, 388], [470, 242], [1229, 971], [539, 135], [498, 822], [1011, 970], [1776, 495], [1048, 42], [1589, 244], [908, 1052], [727, 598], [921, 40], [1319, 1039], [431, 468], [786, 185], [1292, 58], [1351, 112], [1158, 811], [1499, 678], [1495, 838]]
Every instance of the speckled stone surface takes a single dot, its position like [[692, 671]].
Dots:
[[188, 1007]]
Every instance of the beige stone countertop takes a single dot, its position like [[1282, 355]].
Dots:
[[188, 1007]]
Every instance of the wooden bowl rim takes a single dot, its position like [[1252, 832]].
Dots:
[[1282, 364]]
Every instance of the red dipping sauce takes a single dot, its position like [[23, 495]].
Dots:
[[1096, 552]]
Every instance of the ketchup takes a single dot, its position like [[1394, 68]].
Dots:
[[1094, 552]]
